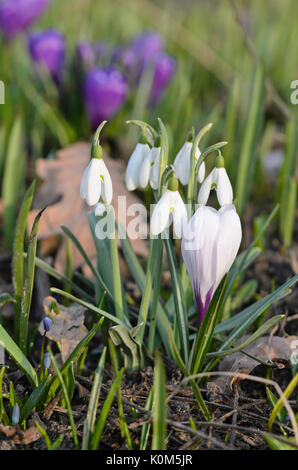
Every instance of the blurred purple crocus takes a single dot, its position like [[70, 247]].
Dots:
[[165, 67], [17, 15], [142, 50], [47, 48], [88, 54], [105, 90]]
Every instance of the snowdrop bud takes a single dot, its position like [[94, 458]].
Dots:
[[150, 166], [133, 171], [99, 209], [218, 180], [210, 243], [46, 360], [182, 162], [15, 416], [96, 181], [170, 208]]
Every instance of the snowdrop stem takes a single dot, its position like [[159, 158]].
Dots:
[[156, 277], [117, 284], [163, 153], [192, 180]]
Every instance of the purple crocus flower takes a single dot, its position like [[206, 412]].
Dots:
[[165, 67], [105, 90], [17, 15], [142, 50], [47, 48], [210, 243]]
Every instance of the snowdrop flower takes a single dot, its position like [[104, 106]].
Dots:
[[96, 181], [182, 163], [219, 180], [170, 208], [150, 167], [133, 171], [210, 244]]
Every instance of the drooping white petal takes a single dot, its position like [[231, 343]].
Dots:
[[134, 166], [145, 169], [224, 188], [161, 213], [205, 189], [91, 184], [154, 173], [182, 162], [99, 209], [179, 215], [201, 172], [107, 186]]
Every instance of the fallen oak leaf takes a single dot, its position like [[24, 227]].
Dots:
[[68, 325], [265, 349], [21, 437], [60, 190]]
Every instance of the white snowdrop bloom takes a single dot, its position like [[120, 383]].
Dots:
[[169, 209], [218, 180], [150, 168], [99, 209], [133, 171], [210, 243], [182, 164], [96, 182]]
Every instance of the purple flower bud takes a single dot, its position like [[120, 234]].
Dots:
[[85, 55], [142, 50], [48, 48], [165, 67], [47, 324], [17, 15], [46, 360], [105, 90], [15, 416]]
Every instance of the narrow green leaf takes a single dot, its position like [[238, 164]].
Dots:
[[93, 401], [18, 259], [32, 400], [19, 358], [95, 440], [159, 406], [28, 285], [279, 405]]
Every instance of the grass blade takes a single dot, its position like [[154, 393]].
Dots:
[[159, 406]]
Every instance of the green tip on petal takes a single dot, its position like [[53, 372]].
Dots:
[[220, 161], [157, 141], [173, 184]]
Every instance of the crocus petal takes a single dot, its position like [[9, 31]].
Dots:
[[134, 166], [161, 213], [224, 188], [91, 183], [229, 239], [107, 187]]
